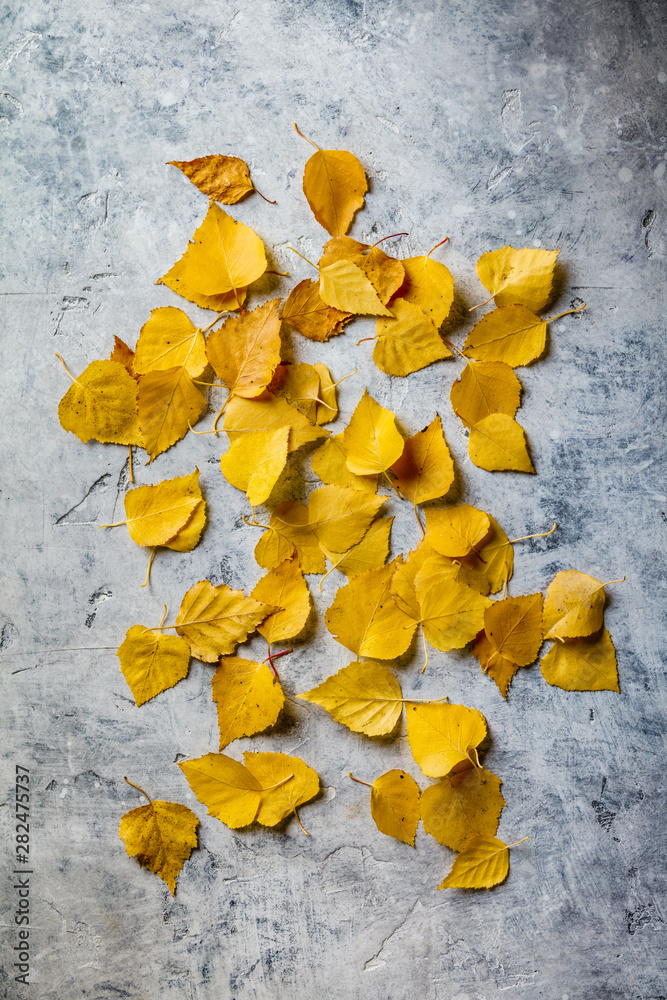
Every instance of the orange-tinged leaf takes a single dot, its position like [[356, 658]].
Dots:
[[498, 667], [523, 276], [168, 403], [407, 342], [497, 554], [582, 664], [269, 413], [514, 628], [485, 388], [274, 769], [340, 515], [254, 462], [224, 255], [442, 735], [224, 178], [344, 286], [310, 315], [574, 606], [365, 619], [308, 387], [327, 406], [365, 697], [228, 789], [329, 462], [403, 580], [456, 531], [155, 514], [123, 355], [451, 614], [168, 339], [245, 350], [462, 805], [371, 440], [161, 836], [152, 662], [425, 470], [226, 302], [334, 184], [483, 863], [285, 588], [385, 273], [215, 620], [248, 695], [512, 334], [102, 404], [290, 532], [497, 443], [395, 805], [188, 536], [429, 285], [370, 552]]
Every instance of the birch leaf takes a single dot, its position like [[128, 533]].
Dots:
[[308, 387], [523, 276], [385, 273], [365, 697], [289, 532], [327, 407], [425, 470], [214, 620], [582, 664], [269, 413], [155, 514], [514, 628], [169, 340], [442, 735], [395, 805], [329, 463], [498, 444], [310, 316], [429, 285], [496, 557], [168, 404], [248, 695], [485, 388], [340, 516], [287, 793], [334, 184], [245, 350], [369, 553], [462, 805], [101, 404], [228, 789], [123, 355], [498, 667], [188, 536], [345, 287], [371, 440], [456, 531], [152, 662], [285, 588], [161, 836], [223, 178], [512, 334], [483, 863], [451, 614], [407, 342], [574, 606], [254, 462]]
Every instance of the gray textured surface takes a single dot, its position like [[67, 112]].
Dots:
[[490, 122]]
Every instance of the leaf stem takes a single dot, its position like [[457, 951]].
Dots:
[[446, 240], [283, 274], [568, 312], [393, 235], [256, 524], [301, 826], [507, 846], [449, 344], [116, 525], [163, 616], [305, 136], [425, 651], [148, 571], [205, 329], [341, 379], [275, 656], [364, 339], [486, 302], [278, 783], [139, 789], [613, 581], [543, 534], [300, 254], [262, 195], [131, 470], [420, 525], [211, 385], [220, 412], [359, 780], [68, 371]]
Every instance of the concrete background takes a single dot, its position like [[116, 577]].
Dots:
[[491, 122]]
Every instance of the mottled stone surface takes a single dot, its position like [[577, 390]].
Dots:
[[490, 121]]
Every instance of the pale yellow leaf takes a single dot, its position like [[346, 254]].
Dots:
[[155, 514], [189, 535], [512, 334], [289, 532], [102, 404], [498, 444], [451, 614], [169, 403], [254, 462], [442, 735], [285, 588], [371, 440], [385, 273], [485, 388], [456, 531], [407, 342], [365, 697], [268, 413], [483, 863], [329, 463], [227, 788], [344, 286], [272, 769], [152, 662], [523, 276], [370, 552], [168, 339], [215, 620], [429, 285], [340, 515], [574, 606]]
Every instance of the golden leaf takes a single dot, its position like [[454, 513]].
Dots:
[[365, 697], [334, 184], [456, 531], [451, 614], [310, 315], [169, 340], [290, 532], [344, 286], [254, 462], [340, 515], [500, 669], [514, 628], [102, 404], [285, 588], [269, 413], [224, 178], [385, 273], [512, 334], [329, 462], [308, 387], [582, 664], [395, 805], [245, 350], [152, 662], [188, 536], [498, 444], [442, 735], [227, 302], [574, 606], [228, 789], [155, 514], [287, 782], [168, 403], [370, 552], [365, 619], [483, 863], [407, 342], [485, 388], [429, 285], [215, 620], [498, 557], [224, 256], [462, 805], [327, 406], [123, 355], [248, 695], [425, 470], [371, 440], [161, 836], [403, 580], [523, 276]]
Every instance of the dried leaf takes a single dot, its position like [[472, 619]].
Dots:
[[442, 735], [269, 413], [498, 444], [574, 606], [285, 588], [188, 536], [344, 286], [451, 614], [161, 836], [245, 350], [308, 387], [278, 802], [429, 285], [523, 276], [425, 470], [395, 805], [462, 805], [512, 334], [310, 315], [365, 697], [223, 178], [370, 552], [152, 662], [483, 863], [582, 664], [249, 698], [327, 406], [227, 788], [485, 388], [514, 628], [254, 462], [215, 620], [455, 532], [156, 514], [290, 532], [168, 403], [329, 462], [500, 669], [496, 554], [334, 184], [371, 440], [102, 404], [407, 342], [169, 340], [123, 355], [340, 516], [385, 273]]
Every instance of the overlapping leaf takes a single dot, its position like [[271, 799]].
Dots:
[[161, 836]]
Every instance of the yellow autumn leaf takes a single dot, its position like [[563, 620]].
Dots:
[[385, 273], [496, 557], [334, 184], [155, 514], [457, 531], [248, 695], [245, 350], [425, 470], [512, 334], [214, 620], [287, 782], [484, 388], [403, 580], [288, 532], [514, 628], [340, 515], [188, 536], [227, 302], [429, 285], [308, 387], [364, 618], [365, 697], [497, 443], [483, 863], [582, 664], [451, 614], [310, 316], [254, 462], [498, 667], [168, 339], [329, 463], [370, 552], [161, 836], [152, 662], [371, 440], [223, 178], [462, 805], [268, 413], [228, 789], [395, 805], [407, 342], [574, 606], [327, 404], [123, 355], [523, 276], [168, 404], [223, 256], [101, 404], [344, 286], [285, 588], [442, 735]]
